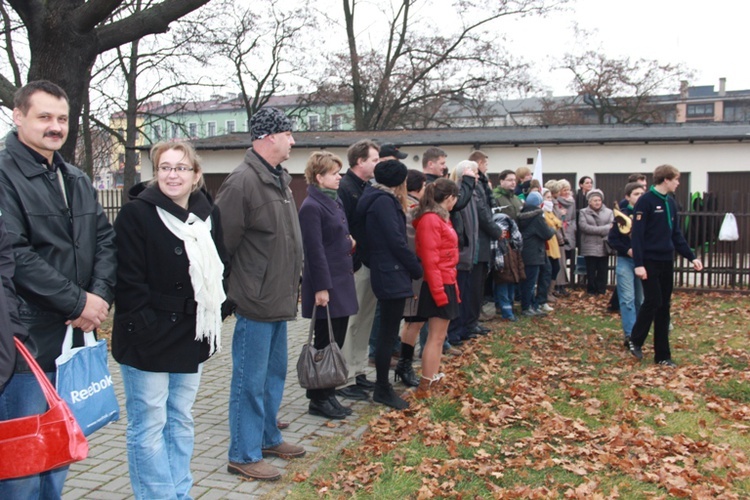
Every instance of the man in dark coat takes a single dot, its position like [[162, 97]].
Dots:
[[264, 242], [362, 156], [656, 235], [434, 166], [488, 231], [64, 250]]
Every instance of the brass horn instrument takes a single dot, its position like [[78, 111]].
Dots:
[[624, 222]]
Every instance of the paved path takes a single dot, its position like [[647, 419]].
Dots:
[[104, 475]]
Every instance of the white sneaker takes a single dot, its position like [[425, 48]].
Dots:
[[546, 308]]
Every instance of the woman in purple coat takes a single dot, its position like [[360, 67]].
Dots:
[[328, 276]]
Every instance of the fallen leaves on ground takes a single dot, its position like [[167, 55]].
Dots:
[[559, 422]]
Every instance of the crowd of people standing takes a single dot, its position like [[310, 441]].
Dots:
[[394, 257]]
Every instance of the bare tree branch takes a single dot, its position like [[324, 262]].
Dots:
[[155, 19], [423, 68], [93, 12], [9, 50], [256, 44], [621, 90], [7, 91]]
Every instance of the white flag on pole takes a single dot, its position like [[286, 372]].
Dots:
[[538, 167]]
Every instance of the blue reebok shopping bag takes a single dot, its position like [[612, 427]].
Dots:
[[84, 382]]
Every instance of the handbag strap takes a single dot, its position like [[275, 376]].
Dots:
[[312, 326], [50, 394]]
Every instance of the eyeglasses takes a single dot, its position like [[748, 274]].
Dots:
[[180, 169]]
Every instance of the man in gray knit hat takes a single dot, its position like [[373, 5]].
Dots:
[[263, 238]]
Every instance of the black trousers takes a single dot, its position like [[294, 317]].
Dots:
[[596, 274], [657, 299], [477, 279], [457, 329], [391, 312], [320, 340]]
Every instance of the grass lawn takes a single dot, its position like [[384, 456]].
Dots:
[[557, 408]]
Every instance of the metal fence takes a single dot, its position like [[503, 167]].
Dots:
[[111, 201], [726, 263]]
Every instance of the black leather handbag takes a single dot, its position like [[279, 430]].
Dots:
[[324, 368]]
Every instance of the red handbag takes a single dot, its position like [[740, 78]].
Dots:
[[38, 443]]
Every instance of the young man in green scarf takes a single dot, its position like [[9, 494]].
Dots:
[[656, 235]]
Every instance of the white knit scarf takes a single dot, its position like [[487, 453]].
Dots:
[[206, 271]]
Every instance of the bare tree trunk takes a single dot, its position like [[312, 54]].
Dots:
[[358, 98], [88, 147], [65, 36], [131, 127]]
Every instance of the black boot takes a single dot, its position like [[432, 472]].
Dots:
[[385, 394], [405, 372], [363, 383], [324, 408], [336, 404]]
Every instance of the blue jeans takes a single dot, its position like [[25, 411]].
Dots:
[[629, 291], [528, 301], [23, 397], [160, 432], [504, 296], [259, 359]]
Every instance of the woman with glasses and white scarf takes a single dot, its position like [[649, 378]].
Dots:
[[168, 314]]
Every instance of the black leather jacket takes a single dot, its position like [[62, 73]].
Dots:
[[10, 324], [465, 194], [61, 251]]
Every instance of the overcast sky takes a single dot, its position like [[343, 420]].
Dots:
[[710, 38]]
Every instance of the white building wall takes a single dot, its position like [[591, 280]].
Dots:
[[584, 159]]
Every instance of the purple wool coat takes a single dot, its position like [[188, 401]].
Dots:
[[328, 256]]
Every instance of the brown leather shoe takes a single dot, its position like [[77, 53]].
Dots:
[[260, 470], [285, 450], [281, 425]]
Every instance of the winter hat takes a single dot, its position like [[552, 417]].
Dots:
[[595, 192], [268, 121], [534, 199], [390, 173]]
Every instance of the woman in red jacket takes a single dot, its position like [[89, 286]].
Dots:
[[437, 248]]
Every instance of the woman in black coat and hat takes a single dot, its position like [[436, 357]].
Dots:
[[384, 248]]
